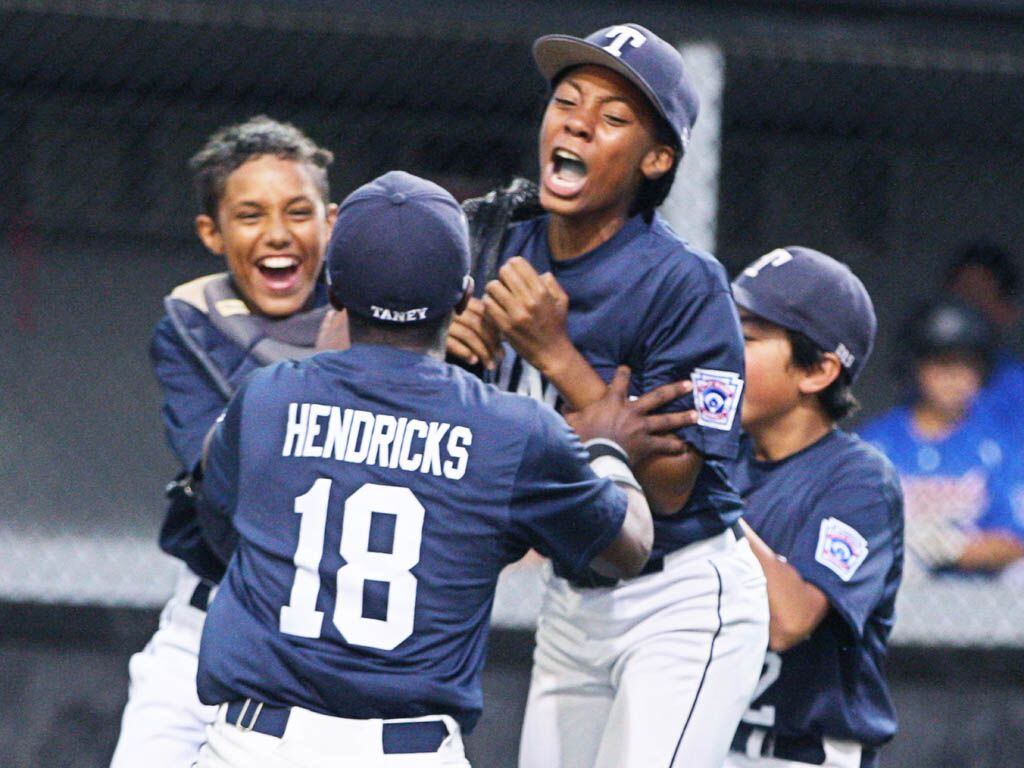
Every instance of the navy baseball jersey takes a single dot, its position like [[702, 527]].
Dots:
[[835, 512], [647, 300], [969, 478], [377, 494]]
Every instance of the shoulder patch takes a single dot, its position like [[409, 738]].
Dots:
[[716, 395], [840, 548]]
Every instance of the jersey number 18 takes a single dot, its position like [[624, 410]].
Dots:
[[300, 616]]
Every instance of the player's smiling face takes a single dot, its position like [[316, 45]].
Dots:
[[272, 226], [773, 382], [597, 144]]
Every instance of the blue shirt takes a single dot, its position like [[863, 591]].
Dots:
[[834, 511], [648, 300], [377, 495], [966, 478], [1004, 392]]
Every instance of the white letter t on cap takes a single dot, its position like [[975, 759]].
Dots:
[[623, 34]]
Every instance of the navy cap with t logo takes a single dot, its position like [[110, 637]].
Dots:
[[399, 250], [806, 291], [639, 55]]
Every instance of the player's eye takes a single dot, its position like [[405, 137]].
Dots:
[[248, 215], [616, 119], [301, 213], [563, 101]]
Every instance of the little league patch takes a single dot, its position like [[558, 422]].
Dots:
[[716, 396], [841, 548]]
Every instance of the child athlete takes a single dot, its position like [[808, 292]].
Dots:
[[654, 670]]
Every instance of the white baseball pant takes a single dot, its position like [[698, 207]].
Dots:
[[312, 740], [164, 723], [653, 673]]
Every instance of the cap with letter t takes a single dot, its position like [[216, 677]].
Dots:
[[808, 292], [640, 56], [399, 251]]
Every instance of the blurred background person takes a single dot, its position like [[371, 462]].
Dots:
[[983, 275], [958, 462]]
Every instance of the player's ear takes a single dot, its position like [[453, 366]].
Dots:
[[657, 162], [818, 377], [332, 214], [467, 294], [206, 229], [334, 299]]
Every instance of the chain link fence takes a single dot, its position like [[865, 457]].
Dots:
[[885, 156]]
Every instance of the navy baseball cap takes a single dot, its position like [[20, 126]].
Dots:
[[640, 56], [806, 291], [399, 251]]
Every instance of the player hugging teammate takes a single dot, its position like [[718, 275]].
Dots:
[[263, 195], [655, 670]]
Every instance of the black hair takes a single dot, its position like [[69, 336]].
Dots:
[[652, 192], [837, 398], [994, 258], [233, 145]]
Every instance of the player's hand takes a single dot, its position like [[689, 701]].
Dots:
[[333, 333], [474, 338], [531, 311], [631, 423]]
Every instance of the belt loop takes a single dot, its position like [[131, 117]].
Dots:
[[756, 744], [255, 716]]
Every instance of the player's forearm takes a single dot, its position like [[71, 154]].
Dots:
[[668, 480], [990, 551], [796, 606], [627, 555], [574, 378]]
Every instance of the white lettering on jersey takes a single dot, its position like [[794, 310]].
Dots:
[[295, 430], [622, 35], [458, 441], [841, 548], [410, 462], [716, 395], [383, 433], [316, 411], [518, 376], [775, 258], [362, 437], [359, 437]]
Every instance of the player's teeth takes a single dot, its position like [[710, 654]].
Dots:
[[567, 155], [278, 262]]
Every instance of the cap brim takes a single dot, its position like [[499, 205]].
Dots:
[[554, 53]]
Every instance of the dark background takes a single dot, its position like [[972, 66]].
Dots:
[[885, 133]]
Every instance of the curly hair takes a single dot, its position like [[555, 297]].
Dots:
[[233, 145]]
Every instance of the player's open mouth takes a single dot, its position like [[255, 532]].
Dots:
[[280, 273], [566, 173]]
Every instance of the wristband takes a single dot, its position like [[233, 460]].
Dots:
[[609, 459]]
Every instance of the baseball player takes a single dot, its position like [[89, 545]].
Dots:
[[262, 188], [377, 493], [825, 518], [654, 670], [957, 459]]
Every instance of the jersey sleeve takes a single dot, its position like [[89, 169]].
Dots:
[[699, 340], [558, 506], [191, 401], [218, 488], [849, 544]]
